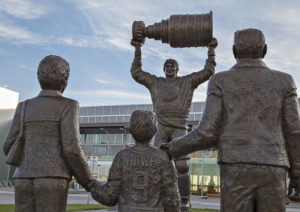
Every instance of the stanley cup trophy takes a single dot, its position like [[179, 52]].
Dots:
[[179, 30], [172, 95]]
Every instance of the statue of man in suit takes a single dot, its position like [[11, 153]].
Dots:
[[252, 116]]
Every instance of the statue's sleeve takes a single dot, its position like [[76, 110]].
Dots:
[[291, 125], [205, 135], [13, 130], [199, 77], [138, 74], [70, 138], [108, 193], [170, 187]]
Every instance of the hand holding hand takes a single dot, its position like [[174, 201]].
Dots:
[[88, 186]]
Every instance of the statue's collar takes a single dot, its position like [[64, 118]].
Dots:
[[249, 62], [50, 93]]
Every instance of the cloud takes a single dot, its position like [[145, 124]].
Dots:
[[26, 67], [103, 82], [24, 9], [111, 20], [19, 34], [79, 41], [110, 82], [114, 94]]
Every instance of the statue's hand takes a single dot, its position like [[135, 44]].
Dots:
[[294, 185], [90, 185], [165, 147], [136, 43], [213, 44]]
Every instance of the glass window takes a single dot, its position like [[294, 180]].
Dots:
[[106, 119], [91, 110], [197, 117], [83, 111], [85, 120], [111, 138], [92, 119], [97, 138], [119, 118], [141, 107], [196, 107], [124, 109], [107, 110], [126, 118], [103, 138], [192, 106], [82, 138], [90, 138], [99, 110], [112, 118], [131, 109], [191, 117], [99, 119], [115, 110], [119, 138]]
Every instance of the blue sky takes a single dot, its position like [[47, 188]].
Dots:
[[94, 37]]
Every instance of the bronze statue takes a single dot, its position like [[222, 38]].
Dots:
[[172, 95], [252, 116], [51, 154], [142, 178], [171, 98]]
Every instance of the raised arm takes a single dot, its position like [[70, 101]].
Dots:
[[137, 73], [209, 67]]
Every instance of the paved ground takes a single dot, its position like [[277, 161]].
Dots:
[[81, 197]]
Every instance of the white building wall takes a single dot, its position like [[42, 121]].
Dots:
[[8, 103]]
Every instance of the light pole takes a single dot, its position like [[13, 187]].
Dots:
[[202, 169]]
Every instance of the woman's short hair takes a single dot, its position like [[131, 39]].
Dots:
[[53, 73]]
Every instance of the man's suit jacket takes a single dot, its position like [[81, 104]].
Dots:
[[251, 115], [51, 133]]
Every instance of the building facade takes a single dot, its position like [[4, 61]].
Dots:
[[104, 132]]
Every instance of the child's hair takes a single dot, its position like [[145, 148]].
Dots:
[[142, 125]]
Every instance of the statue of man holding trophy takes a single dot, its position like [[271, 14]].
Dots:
[[172, 95]]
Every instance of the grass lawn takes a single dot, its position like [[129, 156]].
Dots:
[[70, 207], [81, 207]]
